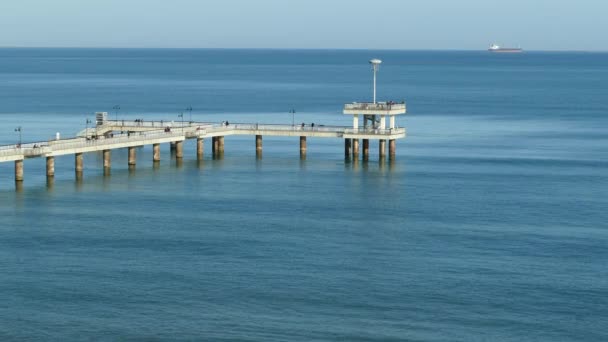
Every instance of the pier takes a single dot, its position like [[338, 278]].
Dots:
[[369, 124]]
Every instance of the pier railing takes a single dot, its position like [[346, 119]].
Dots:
[[191, 131], [374, 131], [150, 123], [374, 106], [10, 150], [115, 139], [39, 148], [276, 127], [25, 149]]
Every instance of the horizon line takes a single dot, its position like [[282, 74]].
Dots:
[[277, 48]]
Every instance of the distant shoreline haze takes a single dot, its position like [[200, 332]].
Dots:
[[482, 49]]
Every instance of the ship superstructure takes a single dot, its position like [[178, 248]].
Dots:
[[498, 48]]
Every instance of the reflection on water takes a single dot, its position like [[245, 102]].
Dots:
[[50, 183], [79, 180], [303, 163], [392, 164], [355, 164]]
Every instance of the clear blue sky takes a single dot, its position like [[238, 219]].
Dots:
[[377, 24]]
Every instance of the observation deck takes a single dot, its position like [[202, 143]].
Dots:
[[378, 108]]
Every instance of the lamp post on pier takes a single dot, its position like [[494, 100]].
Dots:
[[18, 129], [181, 115], [116, 109], [375, 66], [189, 109], [86, 131], [293, 117]]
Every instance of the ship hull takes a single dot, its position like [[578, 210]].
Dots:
[[502, 50]]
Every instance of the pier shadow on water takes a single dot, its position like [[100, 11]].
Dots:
[[79, 180], [383, 165], [50, 183]]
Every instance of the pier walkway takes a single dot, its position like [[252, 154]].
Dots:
[[108, 135], [139, 133]]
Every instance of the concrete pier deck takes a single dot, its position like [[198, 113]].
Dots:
[[108, 135], [204, 130], [137, 133]]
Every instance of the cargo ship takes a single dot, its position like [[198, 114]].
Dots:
[[497, 48]]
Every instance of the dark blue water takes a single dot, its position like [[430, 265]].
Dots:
[[491, 225]]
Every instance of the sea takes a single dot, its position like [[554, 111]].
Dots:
[[491, 224]]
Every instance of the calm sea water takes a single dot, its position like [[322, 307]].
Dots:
[[491, 225]]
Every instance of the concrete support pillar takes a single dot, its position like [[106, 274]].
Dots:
[[392, 148], [365, 149], [347, 147], [355, 148], [172, 146], [132, 156], [356, 121], [155, 152], [302, 146], [220, 144], [107, 159], [50, 167], [382, 122], [200, 148], [392, 121], [79, 162], [179, 149], [19, 170], [214, 145], [258, 145], [50, 183], [382, 148]]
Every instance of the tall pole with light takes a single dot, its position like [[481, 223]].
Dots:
[[293, 117], [86, 131], [116, 109], [181, 115], [375, 66], [189, 109], [18, 129]]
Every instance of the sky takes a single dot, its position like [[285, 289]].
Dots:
[[323, 24]]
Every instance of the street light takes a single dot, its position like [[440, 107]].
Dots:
[[189, 109], [375, 66], [293, 117], [116, 109], [181, 115], [18, 129], [86, 131]]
